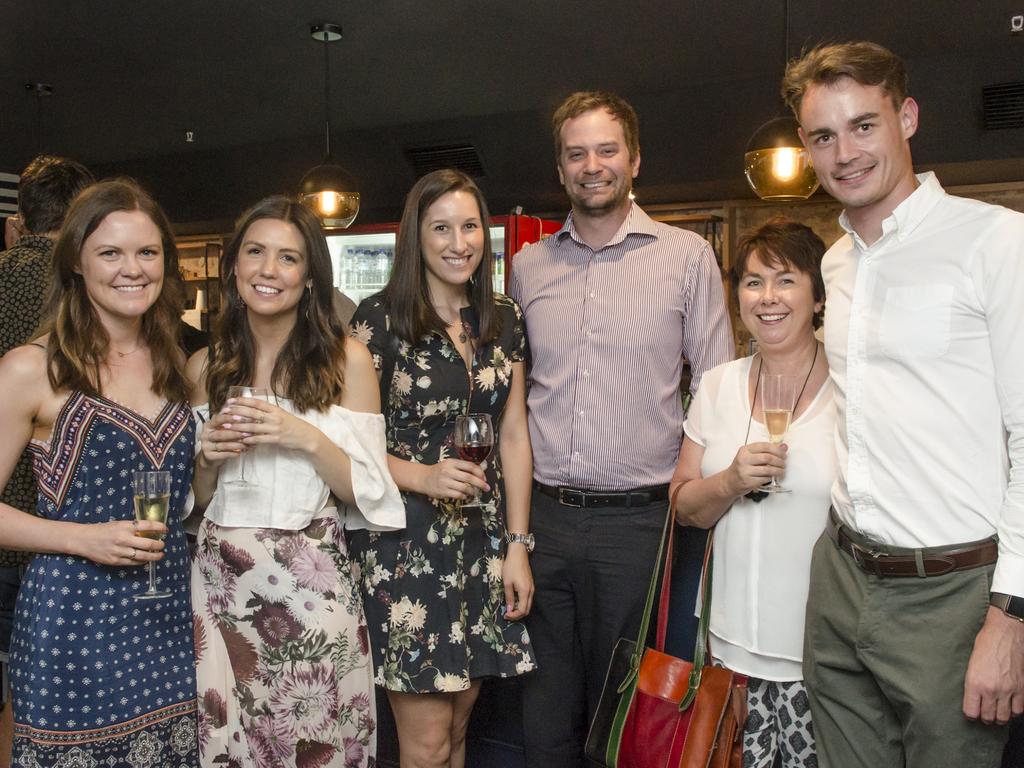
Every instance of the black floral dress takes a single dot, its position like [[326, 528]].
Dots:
[[433, 593]]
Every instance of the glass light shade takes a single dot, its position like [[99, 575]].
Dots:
[[331, 192], [777, 165]]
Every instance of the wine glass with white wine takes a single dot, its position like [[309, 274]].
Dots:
[[152, 496], [777, 394]]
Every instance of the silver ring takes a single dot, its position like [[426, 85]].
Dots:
[[133, 554]]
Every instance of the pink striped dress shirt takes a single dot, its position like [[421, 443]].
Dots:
[[608, 331]]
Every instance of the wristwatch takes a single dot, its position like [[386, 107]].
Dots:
[[1011, 605], [526, 539]]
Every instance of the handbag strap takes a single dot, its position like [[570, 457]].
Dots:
[[700, 650], [656, 572]]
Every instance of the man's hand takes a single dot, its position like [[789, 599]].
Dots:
[[994, 687]]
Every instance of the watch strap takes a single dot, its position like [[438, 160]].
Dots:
[[1011, 605]]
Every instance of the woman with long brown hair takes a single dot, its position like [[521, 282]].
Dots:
[[446, 596], [283, 665], [100, 678]]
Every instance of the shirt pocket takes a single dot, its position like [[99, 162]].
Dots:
[[916, 321]]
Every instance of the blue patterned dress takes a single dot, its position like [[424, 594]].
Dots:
[[101, 680]]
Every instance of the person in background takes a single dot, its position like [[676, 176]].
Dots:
[[613, 303], [446, 596], [344, 307], [283, 664], [46, 188], [99, 678], [914, 648], [763, 542]]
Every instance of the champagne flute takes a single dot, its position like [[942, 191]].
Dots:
[[243, 480], [152, 495], [777, 394], [474, 440]]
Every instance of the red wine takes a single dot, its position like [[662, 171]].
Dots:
[[474, 453]]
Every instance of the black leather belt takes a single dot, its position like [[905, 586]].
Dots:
[[897, 562], [582, 497]]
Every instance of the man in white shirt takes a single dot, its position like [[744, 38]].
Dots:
[[914, 648]]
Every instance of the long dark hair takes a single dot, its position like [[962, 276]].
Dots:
[[407, 295], [309, 368], [78, 343]]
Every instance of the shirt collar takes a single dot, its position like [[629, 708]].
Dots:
[[636, 223], [907, 215], [35, 242]]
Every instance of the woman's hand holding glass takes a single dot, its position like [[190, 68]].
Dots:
[[453, 479], [754, 466], [259, 422], [118, 542]]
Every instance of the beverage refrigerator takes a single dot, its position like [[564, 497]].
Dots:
[[361, 256]]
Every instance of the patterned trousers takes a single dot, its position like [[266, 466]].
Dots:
[[778, 721]]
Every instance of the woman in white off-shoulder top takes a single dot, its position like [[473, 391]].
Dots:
[[283, 665]]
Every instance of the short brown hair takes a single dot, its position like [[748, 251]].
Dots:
[[789, 243], [45, 191], [584, 101], [864, 62]]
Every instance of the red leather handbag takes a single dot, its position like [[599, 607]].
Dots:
[[657, 711]]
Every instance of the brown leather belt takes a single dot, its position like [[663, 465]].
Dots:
[[580, 497], [883, 560]]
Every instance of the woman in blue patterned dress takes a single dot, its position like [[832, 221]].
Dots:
[[100, 679], [445, 597]]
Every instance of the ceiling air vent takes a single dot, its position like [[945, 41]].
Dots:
[[462, 157], [1003, 105]]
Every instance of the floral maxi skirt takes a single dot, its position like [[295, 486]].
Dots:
[[283, 663]]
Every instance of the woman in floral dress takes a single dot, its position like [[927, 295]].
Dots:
[[284, 673], [445, 597], [99, 678]]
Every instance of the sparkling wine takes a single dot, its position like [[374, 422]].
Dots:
[[777, 422], [151, 508], [475, 453]]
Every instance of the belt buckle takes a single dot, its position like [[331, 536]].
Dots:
[[867, 558], [563, 497]]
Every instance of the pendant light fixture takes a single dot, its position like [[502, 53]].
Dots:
[[329, 189], [777, 165]]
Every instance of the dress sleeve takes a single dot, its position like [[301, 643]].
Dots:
[[517, 351], [370, 326], [379, 505]]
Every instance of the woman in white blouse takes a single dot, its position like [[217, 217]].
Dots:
[[763, 542], [283, 664]]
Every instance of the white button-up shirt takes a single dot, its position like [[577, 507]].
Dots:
[[921, 331]]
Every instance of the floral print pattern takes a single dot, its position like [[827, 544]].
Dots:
[[282, 650], [433, 593]]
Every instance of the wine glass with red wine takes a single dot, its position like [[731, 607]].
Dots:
[[474, 440]]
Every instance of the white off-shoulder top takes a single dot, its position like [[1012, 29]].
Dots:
[[287, 493]]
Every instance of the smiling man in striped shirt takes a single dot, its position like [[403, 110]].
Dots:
[[614, 302]]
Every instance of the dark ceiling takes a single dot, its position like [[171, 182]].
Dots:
[[132, 76]]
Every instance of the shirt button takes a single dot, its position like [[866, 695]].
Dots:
[[592, 294], [588, 333], [586, 373], [581, 413]]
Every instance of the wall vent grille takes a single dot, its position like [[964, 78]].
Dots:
[[462, 157], [1003, 106]]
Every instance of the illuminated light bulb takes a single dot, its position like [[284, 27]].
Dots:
[[785, 163], [327, 202]]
